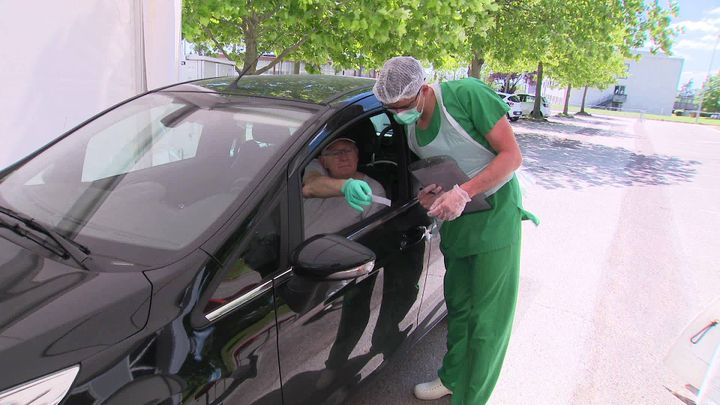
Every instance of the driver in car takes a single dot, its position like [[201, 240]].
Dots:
[[336, 194]]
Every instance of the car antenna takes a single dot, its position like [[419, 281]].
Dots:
[[234, 84]]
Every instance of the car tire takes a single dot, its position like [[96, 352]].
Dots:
[[513, 119]]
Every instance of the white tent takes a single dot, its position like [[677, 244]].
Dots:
[[66, 61]]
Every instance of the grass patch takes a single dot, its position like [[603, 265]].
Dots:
[[632, 114]]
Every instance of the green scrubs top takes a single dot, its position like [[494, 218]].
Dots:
[[477, 108]]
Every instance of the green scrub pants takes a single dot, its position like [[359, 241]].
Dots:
[[480, 292]]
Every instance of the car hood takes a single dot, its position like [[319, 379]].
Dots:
[[53, 315]]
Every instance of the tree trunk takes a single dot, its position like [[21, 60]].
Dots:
[[582, 106], [251, 52], [567, 100], [475, 66], [536, 113], [513, 85], [296, 68]]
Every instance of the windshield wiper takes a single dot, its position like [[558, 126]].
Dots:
[[39, 241], [70, 248]]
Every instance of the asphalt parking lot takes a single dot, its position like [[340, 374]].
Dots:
[[623, 259]]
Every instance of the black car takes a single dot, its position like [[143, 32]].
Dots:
[[156, 253]]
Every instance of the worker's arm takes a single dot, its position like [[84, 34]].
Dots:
[[507, 160]]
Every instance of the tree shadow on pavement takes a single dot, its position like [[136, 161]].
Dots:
[[568, 163], [612, 128]]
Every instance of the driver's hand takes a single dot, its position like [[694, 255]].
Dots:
[[358, 194]]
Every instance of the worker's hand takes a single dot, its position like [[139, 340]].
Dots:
[[450, 204], [428, 195], [357, 193]]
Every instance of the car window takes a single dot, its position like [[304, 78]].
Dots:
[[380, 122], [154, 173], [376, 159], [115, 150], [256, 262]]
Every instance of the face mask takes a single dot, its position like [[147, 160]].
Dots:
[[408, 117]]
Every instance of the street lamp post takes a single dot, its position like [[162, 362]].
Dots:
[[707, 80]]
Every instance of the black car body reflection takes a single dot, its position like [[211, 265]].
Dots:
[[196, 284]]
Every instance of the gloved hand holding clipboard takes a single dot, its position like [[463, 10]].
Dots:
[[445, 172]]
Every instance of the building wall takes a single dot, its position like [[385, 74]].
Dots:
[[69, 63], [194, 67], [651, 85]]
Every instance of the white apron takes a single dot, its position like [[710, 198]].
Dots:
[[452, 140]]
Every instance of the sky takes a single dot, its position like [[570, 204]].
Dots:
[[701, 22]]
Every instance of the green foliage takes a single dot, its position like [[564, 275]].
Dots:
[[711, 94], [349, 34], [577, 42]]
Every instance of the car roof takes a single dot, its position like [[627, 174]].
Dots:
[[316, 89]]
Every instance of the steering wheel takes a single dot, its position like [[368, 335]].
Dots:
[[377, 148]]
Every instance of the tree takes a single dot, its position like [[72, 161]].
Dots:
[[554, 36], [500, 34], [687, 89], [509, 81], [350, 33], [589, 67], [711, 94], [685, 99]]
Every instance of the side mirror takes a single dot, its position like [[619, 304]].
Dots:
[[332, 257]]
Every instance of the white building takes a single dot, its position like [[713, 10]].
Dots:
[[202, 67], [650, 86], [73, 61]]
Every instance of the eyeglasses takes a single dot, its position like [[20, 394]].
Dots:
[[338, 152], [406, 106]]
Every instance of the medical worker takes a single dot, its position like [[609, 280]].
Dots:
[[465, 119]]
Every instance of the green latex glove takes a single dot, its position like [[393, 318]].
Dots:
[[357, 193]]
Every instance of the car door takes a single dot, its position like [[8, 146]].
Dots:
[[232, 336], [332, 334]]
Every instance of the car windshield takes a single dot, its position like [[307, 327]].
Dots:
[[154, 173], [514, 99]]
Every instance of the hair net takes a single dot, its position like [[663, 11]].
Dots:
[[401, 77]]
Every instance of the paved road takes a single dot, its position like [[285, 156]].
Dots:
[[625, 256]]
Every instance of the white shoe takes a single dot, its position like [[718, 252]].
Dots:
[[431, 390]]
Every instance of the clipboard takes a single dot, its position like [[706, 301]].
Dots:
[[444, 171]]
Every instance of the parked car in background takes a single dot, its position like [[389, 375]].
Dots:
[[514, 103], [156, 254], [527, 103]]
